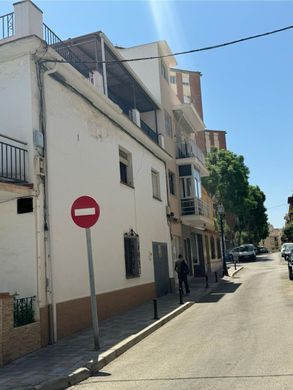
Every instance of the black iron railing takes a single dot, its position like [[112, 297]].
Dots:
[[64, 50], [7, 26], [12, 160], [23, 311], [195, 206]]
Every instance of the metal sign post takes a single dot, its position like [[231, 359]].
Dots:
[[85, 212]]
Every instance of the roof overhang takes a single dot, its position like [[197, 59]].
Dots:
[[190, 115]]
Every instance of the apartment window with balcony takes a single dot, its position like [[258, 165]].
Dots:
[[132, 254], [125, 164], [171, 180], [156, 184], [168, 124]]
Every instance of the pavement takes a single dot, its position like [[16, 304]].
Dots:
[[74, 359]]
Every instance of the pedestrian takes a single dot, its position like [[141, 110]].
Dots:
[[182, 270]]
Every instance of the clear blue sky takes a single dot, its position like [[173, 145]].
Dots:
[[247, 88]]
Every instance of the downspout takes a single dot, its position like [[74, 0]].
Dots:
[[47, 239]]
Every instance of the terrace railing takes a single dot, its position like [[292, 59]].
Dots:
[[12, 160], [195, 206], [7, 28], [23, 311]]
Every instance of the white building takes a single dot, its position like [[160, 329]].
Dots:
[[61, 138]]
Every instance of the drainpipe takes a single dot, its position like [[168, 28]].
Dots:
[[49, 271]]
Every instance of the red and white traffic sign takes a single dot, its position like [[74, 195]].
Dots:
[[85, 211]]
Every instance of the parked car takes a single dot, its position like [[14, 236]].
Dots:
[[262, 249], [233, 254], [286, 251], [290, 265], [244, 252], [283, 248]]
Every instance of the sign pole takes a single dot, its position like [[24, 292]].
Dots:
[[92, 288]]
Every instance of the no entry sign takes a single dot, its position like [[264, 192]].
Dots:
[[85, 212]]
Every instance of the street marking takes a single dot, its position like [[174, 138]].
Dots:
[[81, 212]]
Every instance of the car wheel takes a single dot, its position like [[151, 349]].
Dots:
[[290, 273]]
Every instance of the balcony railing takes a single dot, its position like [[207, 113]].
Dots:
[[23, 311], [187, 149], [12, 160], [195, 206], [149, 132], [7, 26]]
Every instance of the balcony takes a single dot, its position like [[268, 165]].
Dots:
[[13, 168], [187, 152], [7, 26], [196, 213]]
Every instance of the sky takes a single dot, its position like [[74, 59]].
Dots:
[[246, 88]]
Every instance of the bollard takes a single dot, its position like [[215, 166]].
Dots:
[[155, 302], [180, 296], [235, 264], [207, 281], [216, 277]]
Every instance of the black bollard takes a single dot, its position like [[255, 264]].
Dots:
[[216, 277], [155, 302], [207, 281], [180, 296]]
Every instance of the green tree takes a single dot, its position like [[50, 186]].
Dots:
[[228, 179], [254, 218], [288, 232]]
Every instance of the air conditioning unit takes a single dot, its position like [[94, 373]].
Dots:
[[134, 115], [162, 141], [97, 80]]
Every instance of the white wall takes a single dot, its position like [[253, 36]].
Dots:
[[83, 159], [18, 269]]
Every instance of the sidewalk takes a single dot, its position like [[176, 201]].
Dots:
[[72, 353]]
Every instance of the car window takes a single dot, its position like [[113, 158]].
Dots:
[[246, 248]]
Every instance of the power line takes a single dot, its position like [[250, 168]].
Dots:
[[178, 53], [279, 205]]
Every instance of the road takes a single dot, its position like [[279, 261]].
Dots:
[[238, 337]]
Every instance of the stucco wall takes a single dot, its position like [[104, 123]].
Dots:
[[83, 158]]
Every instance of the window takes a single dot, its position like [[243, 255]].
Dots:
[[185, 80], [213, 247], [186, 99], [164, 71], [171, 179], [156, 184], [132, 254], [173, 79], [168, 125], [125, 163], [219, 248]]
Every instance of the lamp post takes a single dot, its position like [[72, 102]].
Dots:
[[221, 213]]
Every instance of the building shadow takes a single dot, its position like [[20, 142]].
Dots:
[[224, 288]]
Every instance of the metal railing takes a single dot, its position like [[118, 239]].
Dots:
[[64, 50], [12, 160], [195, 206], [23, 311], [149, 132], [7, 26], [186, 149]]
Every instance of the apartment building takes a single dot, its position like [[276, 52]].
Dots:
[[180, 124], [66, 130]]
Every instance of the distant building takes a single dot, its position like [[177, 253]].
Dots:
[[273, 242]]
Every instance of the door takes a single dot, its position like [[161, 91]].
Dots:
[[187, 250], [161, 268], [208, 269], [200, 270]]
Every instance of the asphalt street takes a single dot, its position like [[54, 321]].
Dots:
[[238, 337]]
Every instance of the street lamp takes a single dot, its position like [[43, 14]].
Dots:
[[221, 213]]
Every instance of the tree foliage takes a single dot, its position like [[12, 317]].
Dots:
[[228, 184], [288, 232]]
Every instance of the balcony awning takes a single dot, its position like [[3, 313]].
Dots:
[[188, 114]]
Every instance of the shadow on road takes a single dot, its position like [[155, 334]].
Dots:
[[263, 258], [224, 288]]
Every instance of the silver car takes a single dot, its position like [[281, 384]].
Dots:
[[286, 250]]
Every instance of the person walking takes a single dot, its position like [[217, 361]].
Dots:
[[182, 270]]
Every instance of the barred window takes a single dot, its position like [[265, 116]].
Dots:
[[132, 254], [156, 184]]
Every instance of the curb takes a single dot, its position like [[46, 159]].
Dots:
[[236, 271], [94, 365]]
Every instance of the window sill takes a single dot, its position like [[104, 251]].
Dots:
[[127, 185], [155, 197], [132, 276]]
